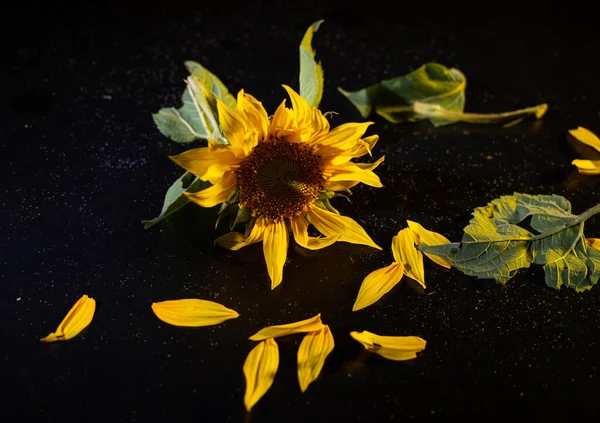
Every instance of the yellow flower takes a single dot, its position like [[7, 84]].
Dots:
[[280, 174]]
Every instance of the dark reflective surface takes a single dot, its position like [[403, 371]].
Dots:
[[83, 164]]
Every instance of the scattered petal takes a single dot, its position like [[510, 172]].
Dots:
[[313, 351], [405, 252], [586, 136], [192, 312], [397, 348], [587, 167], [308, 325], [377, 284], [260, 368], [429, 238], [76, 320]]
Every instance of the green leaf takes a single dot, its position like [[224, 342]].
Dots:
[[431, 92], [212, 83], [494, 246], [175, 199], [311, 72]]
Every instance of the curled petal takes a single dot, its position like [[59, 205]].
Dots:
[[208, 163], [587, 167], [192, 312], [76, 320], [593, 243], [253, 113], [216, 194], [361, 148], [586, 136], [429, 238], [300, 230], [233, 126], [260, 369], [313, 351], [302, 110], [331, 225], [282, 120], [275, 245], [397, 348], [308, 325], [352, 172], [234, 240], [377, 284], [405, 252], [340, 139]]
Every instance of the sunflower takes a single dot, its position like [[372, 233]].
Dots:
[[277, 175]]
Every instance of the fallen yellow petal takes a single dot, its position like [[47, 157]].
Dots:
[[405, 252], [397, 348], [313, 351], [587, 167], [76, 320], [429, 238], [260, 368], [192, 312], [593, 243], [586, 136], [308, 325], [377, 284]]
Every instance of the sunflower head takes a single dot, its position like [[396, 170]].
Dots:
[[277, 175]]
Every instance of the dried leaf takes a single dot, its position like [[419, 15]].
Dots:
[[405, 252], [377, 284], [397, 348], [192, 312], [260, 368], [76, 320], [308, 325], [430, 238], [313, 351]]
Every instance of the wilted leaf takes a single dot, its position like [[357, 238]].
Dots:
[[495, 247], [311, 72], [431, 92], [308, 325], [397, 348], [175, 199], [313, 351], [192, 312], [377, 284], [430, 238], [76, 320], [260, 368]]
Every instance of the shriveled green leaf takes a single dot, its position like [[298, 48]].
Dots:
[[175, 199], [211, 82], [495, 247], [431, 92], [311, 71]]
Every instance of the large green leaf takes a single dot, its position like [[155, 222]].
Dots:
[[494, 246], [431, 92], [175, 199], [311, 72]]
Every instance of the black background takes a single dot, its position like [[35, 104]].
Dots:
[[82, 164]]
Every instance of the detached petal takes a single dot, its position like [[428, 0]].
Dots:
[[587, 167], [586, 136], [259, 369], [76, 320], [397, 348], [234, 240], [429, 238], [331, 225], [339, 140], [313, 351], [192, 312], [300, 230], [377, 284], [405, 252], [275, 246], [308, 325], [216, 194]]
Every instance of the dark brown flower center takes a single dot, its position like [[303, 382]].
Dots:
[[279, 179]]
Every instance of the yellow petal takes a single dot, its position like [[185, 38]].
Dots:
[[586, 136], [593, 243], [253, 113], [216, 194], [320, 124], [300, 230], [282, 120], [587, 167], [313, 351], [361, 148], [308, 325], [351, 172], [331, 225], [429, 238], [233, 126], [275, 245], [302, 111], [340, 140], [391, 347], [377, 284], [405, 252], [192, 312], [76, 320], [205, 162], [340, 185], [234, 240], [260, 368]]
